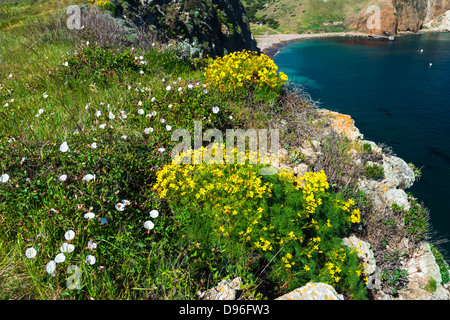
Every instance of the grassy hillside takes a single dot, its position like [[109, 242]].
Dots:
[[302, 16], [92, 207]]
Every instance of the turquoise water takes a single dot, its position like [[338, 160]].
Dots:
[[394, 96]]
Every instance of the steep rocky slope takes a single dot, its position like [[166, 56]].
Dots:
[[216, 27]]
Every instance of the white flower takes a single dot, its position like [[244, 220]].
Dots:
[[66, 247], [98, 113], [161, 150], [91, 245], [140, 103], [153, 99], [141, 111], [30, 253], [141, 57], [94, 145], [89, 177], [190, 86], [62, 177], [128, 87], [154, 213], [215, 109], [76, 131], [141, 72], [111, 115], [60, 257], [124, 137], [168, 128], [45, 95], [180, 89], [90, 260], [148, 225], [102, 126], [6, 104], [120, 207], [87, 43], [170, 106], [4, 178], [66, 64], [69, 235], [10, 75], [168, 88], [64, 147], [89, 215], [231, 117], [40, 111], [163, 120], [154, 113], [51, 267], [126, 202], [148, 130]]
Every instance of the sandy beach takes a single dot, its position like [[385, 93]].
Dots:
[[270, 42]]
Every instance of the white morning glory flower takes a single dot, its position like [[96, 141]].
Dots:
[[148, 130], [91, 245], [64, 147], [89, 177], [51, 267], [215, 109], [94, 145], [66, 247], [98, 113], [102, 126], [120, 207], [154, 213], [163, 120], [170, 106], [62, 177], [154, 113], [4, 178], [60, 257], [153, 99], [89, 215], [90, 260], [149, 225], [141, 111], [30, 253], [111, 115], [45, 95], [126, 202], [168, 88], [161, 150], [168, 128], [69, 235], [190, 86]]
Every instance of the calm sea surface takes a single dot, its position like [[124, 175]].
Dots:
[[394, 96]]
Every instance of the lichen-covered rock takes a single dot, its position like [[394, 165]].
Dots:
[[364, 253], [213, 27], [397, 173], [399, 197], [225, 290], [342, 123], [421, 268], [313, 291]]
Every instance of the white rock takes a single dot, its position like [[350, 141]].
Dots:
[[313, 291]]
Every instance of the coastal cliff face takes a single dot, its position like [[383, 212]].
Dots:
[[401, 16], [214, 27], [313, 16]]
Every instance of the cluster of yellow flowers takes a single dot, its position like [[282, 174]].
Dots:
[[244, 68], [355, 216], [104, 4]]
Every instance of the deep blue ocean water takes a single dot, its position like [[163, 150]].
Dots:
[[394, 96]]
